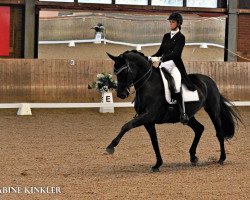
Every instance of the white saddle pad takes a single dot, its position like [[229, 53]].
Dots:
[[187, 95]]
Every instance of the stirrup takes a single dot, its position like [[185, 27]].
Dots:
[[184, 118]]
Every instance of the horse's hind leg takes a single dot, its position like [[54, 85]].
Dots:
[[198, 129], [153, 136], [214, 114], [222, 149]]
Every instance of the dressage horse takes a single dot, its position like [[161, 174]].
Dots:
[[132, 68]]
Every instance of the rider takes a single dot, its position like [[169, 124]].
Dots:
[[169, 54]]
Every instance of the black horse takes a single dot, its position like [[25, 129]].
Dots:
[[133, 68]]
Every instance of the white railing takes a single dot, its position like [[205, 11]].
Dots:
[[25, 108], [72, 43]]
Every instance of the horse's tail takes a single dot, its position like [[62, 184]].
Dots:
[[229, 118]]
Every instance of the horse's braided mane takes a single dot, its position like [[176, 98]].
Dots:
[[137, 52]]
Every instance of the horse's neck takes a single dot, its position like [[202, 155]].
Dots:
[[146, 75], [141, 71], [141, 68]]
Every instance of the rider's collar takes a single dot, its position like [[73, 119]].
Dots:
[[172, 33]]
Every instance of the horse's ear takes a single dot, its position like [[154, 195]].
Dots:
[[112, 57]]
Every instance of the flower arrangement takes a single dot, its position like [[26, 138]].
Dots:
[[104, 82]]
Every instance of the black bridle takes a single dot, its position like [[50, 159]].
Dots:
[[130, 82]]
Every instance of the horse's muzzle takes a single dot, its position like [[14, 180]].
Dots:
[[122, 95]]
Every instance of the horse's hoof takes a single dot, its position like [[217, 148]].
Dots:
[[155, 169], [221, 162], [194, 161], [110, 150]]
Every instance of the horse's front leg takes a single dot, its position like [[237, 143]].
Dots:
[[138, 121], [153, 136]]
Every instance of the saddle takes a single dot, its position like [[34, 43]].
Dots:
[[168, 82]]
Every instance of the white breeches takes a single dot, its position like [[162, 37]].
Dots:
[[175, 73]]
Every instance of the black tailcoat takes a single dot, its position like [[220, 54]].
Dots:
[[171, 49]]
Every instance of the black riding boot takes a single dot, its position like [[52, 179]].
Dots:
[[183, 117]]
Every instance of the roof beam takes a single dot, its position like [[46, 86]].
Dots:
[[125, 8]]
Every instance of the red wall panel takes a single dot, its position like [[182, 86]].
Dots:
[[4, 30]]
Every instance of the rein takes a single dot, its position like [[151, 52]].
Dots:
[[126, 66]]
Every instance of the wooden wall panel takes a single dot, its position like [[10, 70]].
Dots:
[[44, 80], [232, 78]]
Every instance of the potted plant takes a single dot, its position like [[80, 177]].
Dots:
[[104, 83]]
